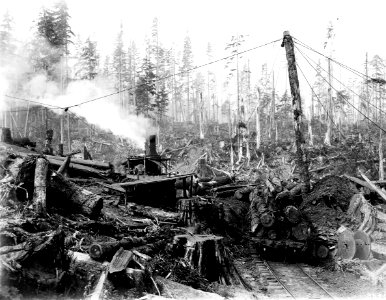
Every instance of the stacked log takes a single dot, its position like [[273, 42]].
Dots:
[[281, 226], [281, 223]]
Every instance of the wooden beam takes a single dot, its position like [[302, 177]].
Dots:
[[374, 187], [301, 152], [358, 181]]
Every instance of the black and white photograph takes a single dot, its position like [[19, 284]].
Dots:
[[179, 149]]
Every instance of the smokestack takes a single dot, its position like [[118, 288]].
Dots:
[[151, 146]]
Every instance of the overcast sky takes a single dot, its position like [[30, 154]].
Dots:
[[359, 25]]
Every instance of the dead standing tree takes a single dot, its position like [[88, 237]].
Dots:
[[297, 106]]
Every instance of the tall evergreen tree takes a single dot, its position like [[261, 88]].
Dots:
[[52, 40], [145, 90], [186, 65], [119, 67], [88, 61], [7, 46], [62, 28]]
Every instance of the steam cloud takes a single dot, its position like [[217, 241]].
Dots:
[[104, 113]]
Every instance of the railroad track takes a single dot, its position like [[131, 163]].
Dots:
[[290, 281]]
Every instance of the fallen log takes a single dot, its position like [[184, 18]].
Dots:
[[358, 181], [105, 250], [204, 187], [374, 187], [231, 187], [70, 197], [88, 163], [63, 168], [79, 169], [57, 161], [46, 247], [120, 260], [99, 288], [216, 182], [85, 273]]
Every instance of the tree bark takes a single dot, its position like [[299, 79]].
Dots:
[[297, 107], [381, 169], [63, 168], [208, 256], [67, 195], [40, 182]]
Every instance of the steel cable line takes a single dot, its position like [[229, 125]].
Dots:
[[266, 86], [180, 73], [358, 73], [33, 101], [329, 115], [348, 102], [359, 96], [160, 79]]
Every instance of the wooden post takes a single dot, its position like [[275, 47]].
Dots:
[[26, 121], [68, 132], [6, 135], [191, 187], [297, 107], [61, 134], [46, 117], [40, 191], [48, 142], [184, 187]]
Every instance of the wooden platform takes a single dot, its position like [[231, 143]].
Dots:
[[153, 190]]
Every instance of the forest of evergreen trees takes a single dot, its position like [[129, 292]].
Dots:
[[163, 83]]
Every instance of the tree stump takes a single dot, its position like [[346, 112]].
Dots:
[[6, 135], [206, 253]]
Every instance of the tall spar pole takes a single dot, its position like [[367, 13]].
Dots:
[[297, 108], [327, 140]]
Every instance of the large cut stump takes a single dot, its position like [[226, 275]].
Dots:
[[207, 254]]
